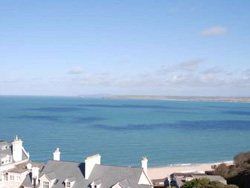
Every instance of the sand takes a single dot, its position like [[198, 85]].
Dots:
[[163, 172]]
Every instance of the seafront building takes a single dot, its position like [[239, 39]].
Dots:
[[179, 179], [17, 171], [13, 158]]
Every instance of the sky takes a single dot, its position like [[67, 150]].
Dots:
[[129, 47]]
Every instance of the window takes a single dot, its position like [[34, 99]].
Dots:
[[5, 177], [45, 184], [10, 159], [68, 185], [12, 178]]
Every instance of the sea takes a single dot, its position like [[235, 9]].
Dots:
[[123, 131]]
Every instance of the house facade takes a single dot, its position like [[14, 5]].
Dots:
[[90, 174], [12, 159], [179, 179], [17, 171]]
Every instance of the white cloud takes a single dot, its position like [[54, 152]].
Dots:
[[189, 66], [186, 75], [213, 70], [11, 80], [214, 31], [247, 72], [76, 70]]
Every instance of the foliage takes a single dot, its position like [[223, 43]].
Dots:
[[239, 173], [205, 183]]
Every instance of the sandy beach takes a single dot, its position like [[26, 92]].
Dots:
[[162, 172]]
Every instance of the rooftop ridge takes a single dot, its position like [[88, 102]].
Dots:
[[65, 161], [120, 166]]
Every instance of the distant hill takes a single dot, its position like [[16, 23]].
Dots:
[[179, 98]]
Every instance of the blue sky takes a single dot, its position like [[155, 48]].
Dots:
[[151, 47]]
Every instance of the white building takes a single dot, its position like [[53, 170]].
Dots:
[[90, 174], [12, 158], [16, 171]]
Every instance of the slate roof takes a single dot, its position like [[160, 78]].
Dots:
[[180, 177], [62, 170], [111, 175], [107, 176], [27, 181], [5, 150], [20, 168]]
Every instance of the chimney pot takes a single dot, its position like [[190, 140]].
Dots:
[[56, 155]]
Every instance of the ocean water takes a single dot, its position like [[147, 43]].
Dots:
[[122, 131]]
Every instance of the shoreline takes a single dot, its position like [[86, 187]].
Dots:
[[190, 164], [165, 171], [180, 98]]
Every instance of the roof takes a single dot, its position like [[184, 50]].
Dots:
[[111, 175], [51, 175], [27, 180], [211, 177], [6, 149], [20, 168], [180, 178], [107, 176], [62, 170]]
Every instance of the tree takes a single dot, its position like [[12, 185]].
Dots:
[[239, 173], [206, 183]]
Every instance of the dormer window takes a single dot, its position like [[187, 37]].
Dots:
[[95, 185], [6, 160], [69, 182], [45, 184], [68, 185]]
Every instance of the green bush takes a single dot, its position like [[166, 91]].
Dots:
[[205, 183]]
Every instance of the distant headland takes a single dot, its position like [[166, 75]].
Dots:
[[179, 98]]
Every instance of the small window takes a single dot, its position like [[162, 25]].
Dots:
[[6, 177], [12, 178], [45, 184], [10, 159], [68, 185]]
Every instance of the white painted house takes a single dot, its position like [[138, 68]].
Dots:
[[12, 157], [17, 171], [90, 174]]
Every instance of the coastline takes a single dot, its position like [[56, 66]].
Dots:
[[179, 98], [165, 171]]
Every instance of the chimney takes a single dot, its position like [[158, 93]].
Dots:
[[144, 164], [29, 166], [56, 155], [17, 146], [90, 162], [35, 175]]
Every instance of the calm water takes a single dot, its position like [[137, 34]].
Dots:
[[123, 131]]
